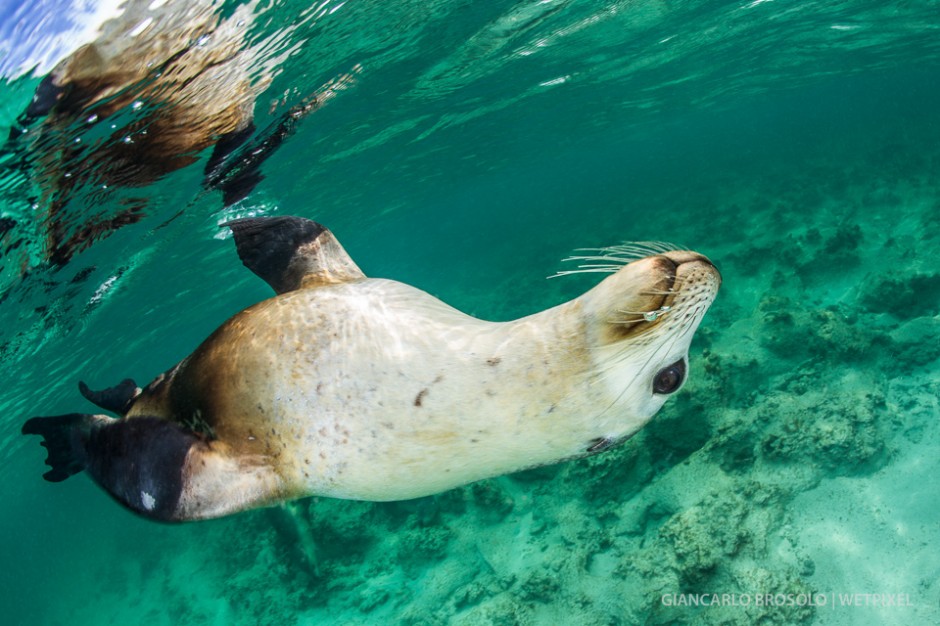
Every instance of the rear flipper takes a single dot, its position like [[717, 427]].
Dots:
[[139, 461], [154, 467], [117, 399], [63, 436]]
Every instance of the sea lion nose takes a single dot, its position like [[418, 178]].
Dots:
[[681, 257], [686, 256]]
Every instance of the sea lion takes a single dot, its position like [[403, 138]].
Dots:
[[364, 388], [162, 83]]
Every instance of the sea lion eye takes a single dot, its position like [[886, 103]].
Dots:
[[670, 378]]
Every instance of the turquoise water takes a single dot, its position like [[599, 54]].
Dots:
[[471, 147]]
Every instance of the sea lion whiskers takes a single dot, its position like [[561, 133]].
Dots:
[[625, 350], [628, 250], [623, 355], [587, 269], [646, 316], [638, 318], [609, 259]]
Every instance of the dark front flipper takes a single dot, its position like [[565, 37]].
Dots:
[[235, 164], [46, 97], [292, 252], [117, 399], [64, 438], [139, 461], [222, 153], [235, 173]]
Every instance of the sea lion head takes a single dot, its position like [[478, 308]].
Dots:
[[640, 322]]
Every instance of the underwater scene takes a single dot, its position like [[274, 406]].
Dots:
[[488, 154]]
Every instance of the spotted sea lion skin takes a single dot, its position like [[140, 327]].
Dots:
[[353, 387]]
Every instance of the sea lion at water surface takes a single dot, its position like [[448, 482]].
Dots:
[[364, 388], [161, 83]]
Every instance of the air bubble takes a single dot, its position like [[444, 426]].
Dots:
[[652, 316]]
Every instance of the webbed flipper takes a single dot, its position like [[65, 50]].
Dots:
[[292, 252], [117, 399], [139, 461], [63, 437]]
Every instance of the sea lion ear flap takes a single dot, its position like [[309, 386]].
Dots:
[[292, 252]]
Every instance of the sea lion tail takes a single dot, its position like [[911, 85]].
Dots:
[[64, 438]]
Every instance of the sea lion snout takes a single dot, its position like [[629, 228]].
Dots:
[[643, 293], [694, 276], [680, 257]]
